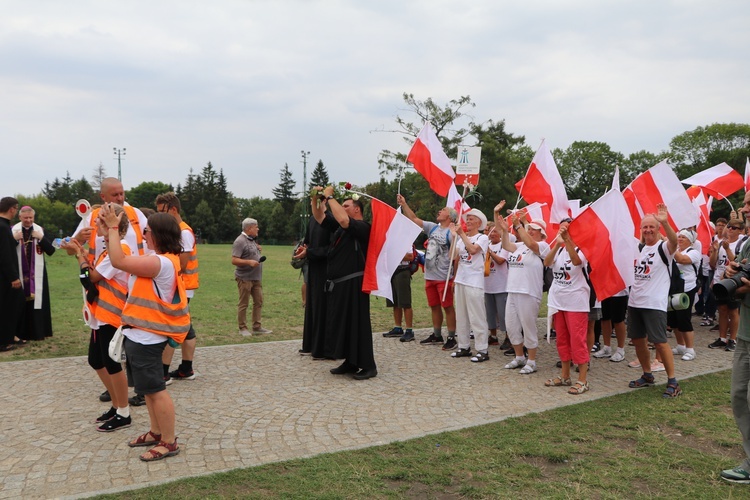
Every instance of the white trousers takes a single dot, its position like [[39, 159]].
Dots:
[[471, 316], [521, 312]]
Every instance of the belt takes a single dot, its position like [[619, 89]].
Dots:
[[328, 287]]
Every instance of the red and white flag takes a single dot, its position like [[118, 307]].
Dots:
[[454, 201], [543, 184], [747, 175], [719, 181], [616, 179], [603, 231], [705, 233], [391, 237], [659, 184], [430, 160]]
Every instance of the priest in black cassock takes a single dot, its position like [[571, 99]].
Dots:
[[11, 293], [32, 245], [348, 333]]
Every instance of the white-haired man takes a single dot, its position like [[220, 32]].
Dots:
[[249, 275]]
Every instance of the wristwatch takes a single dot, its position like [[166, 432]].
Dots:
[[330, 197]]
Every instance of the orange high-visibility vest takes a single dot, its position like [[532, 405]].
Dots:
[[190, 274], [132, 217], [145, 310], [112, 295]]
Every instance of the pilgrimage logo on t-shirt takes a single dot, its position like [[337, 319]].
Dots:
[[516, 260], [643, 269], [561, 275]]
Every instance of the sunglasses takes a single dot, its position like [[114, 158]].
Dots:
[[734, 227], [146, 230]]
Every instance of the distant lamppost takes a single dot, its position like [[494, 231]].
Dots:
[[305, 216], [120, 153]]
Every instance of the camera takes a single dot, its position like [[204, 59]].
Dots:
[[726, 288]]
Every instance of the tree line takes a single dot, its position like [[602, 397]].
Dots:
[[586, 167]]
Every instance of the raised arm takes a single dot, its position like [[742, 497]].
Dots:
[[408, 211]]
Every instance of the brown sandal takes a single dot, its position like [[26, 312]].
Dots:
[[579, 388], [558, 381], [143, 440], [153, 455]]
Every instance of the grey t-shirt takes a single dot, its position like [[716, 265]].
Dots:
[[246, 248], [437, 255]]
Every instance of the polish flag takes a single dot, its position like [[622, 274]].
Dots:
[[719, 181], [603, 231], [455, 201], [705, 233], [659, 184], [543, 184], [391, 237], [747, 175], [430, 160], [616, 179]]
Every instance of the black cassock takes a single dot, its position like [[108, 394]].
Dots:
[[348, 332], [11, 299], [317, 240]]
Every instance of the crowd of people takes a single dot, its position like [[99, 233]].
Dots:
[[485, 279]]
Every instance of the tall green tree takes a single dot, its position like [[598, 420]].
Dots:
[[145, 193], [319, 177], [707, 146], [203, 222], [587, 169], [284, 192]]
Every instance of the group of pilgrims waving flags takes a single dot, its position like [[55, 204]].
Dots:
[[606, 230]]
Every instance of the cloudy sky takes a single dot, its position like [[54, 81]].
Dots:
[[248, 85]]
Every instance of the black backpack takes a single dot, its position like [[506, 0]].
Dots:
[[676, 282]]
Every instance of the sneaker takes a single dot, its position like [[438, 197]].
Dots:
[[395, 332], [259, 331], [552, 333], [657, 366], [506, 344], [167, 380], [107, 415], [731, 345], [717, 344], [179, 375], [634, 364], [618, 356], [450, 344], [510, 351], [516, 363], [736, 475], [246, 333], [105, 397], [596, 347], [493, 341], [118, 422], [707, 322], [408, 336], [137, 400], [679, 350], [432, 340], [604, 352]]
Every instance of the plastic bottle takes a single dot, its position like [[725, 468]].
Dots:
[[57, 242]]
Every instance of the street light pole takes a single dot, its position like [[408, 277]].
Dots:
[[305, 216], [119, 153]]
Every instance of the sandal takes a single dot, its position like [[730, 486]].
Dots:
[[672, 391], [479, 357], [152, 455], [461, 353], [646, 380], [557, 382], [579, 388], [143, 440]]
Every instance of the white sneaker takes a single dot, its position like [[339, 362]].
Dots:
[[657, 366], [618, 356], [679, 350], [246, 333], [516, 363], [604, 352], [529, 368], [689, 355]]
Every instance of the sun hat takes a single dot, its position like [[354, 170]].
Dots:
[[478, 214]]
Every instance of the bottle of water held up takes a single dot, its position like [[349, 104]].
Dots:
[[57, 242]]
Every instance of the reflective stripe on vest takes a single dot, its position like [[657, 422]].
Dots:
[[132, 217], [190, 274], [145, 310], [112, 295]]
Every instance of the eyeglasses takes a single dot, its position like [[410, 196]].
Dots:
[[145, 231], [734, 227]]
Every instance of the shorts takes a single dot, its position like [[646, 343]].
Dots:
[[682, 320], [731, 304], [99, 350], [595, 314], [144, 366], [401, 287], [434, 291], [614, 309], [647, 323], [191, 332]]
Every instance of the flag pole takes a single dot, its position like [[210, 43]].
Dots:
[[727, 200], [453, 243]]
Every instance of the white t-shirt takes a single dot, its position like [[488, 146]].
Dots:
[[470, 270], [525, 269], [110, 272], [130, 237], [650, 289], [687, 271], [166, 283], [569, 291], [721, 263], [497, 281], [188, 243]]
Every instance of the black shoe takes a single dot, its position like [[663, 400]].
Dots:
[[450, 344], [343, 368], [717, 344], [395, 332], [304, 353], [731, 345], [408, 336], [105, 397], [510, 351], [558, 364], [506, 344], [6, 348], [107, 415], [180, 375], [552, 333], [432, 340], [714, 328], [137, 400], [492, 341], [118, 422], [365, 374]]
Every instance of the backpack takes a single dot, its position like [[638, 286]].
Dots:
[[414, 262], [297, 263]]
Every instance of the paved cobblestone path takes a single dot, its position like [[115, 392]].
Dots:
[[253, 404]]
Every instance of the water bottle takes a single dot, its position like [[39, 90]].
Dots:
[[57, 242]]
